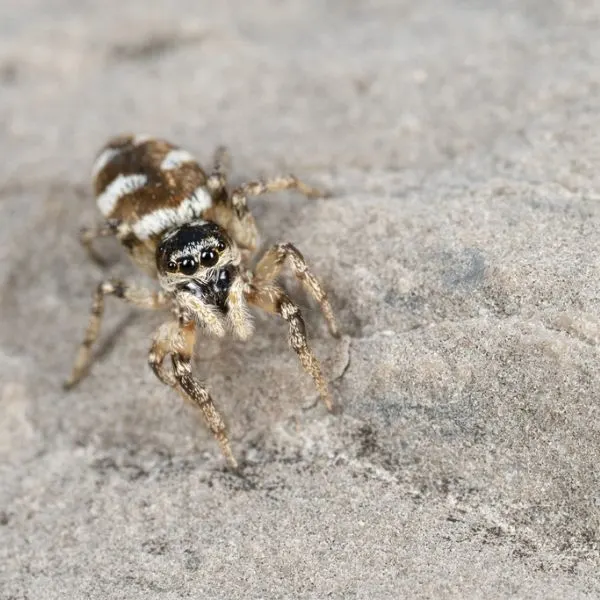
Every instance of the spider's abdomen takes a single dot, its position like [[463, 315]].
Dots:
[[149, 184]]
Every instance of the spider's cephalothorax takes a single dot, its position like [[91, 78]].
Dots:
[[195, 236]]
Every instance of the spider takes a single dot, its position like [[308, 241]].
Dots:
[[196, 237]]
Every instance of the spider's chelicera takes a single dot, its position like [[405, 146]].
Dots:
[[196, 237]]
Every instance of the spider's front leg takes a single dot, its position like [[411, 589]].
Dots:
[[131, 294], [270, 265], [178, 339], [272, 299]]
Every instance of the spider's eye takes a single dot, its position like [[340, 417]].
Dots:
[[172, 265], [188, 266], [208, 258], [221, 245]]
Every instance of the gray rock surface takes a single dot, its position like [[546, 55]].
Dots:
[[462, 141]]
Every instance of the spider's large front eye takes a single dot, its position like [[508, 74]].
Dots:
[[188, 266], [208, 258]]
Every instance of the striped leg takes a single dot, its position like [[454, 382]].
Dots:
[[132, 294], [178, 340], [197, 393], [270, 266], [241, 224], [273, 300], [240, 195], [237, 220], [167, 339]]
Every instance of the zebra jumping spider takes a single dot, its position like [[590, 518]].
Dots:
[[194, 235]]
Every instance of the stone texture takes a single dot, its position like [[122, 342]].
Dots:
[[461, 139]]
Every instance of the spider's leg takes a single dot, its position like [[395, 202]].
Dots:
[[271, 264], [217, 178], [178, 340], [235, 214], [272, 299], [131, 294]]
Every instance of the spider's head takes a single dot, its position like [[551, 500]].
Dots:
[[199, 258]]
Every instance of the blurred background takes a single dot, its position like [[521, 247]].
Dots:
[[461, 141]]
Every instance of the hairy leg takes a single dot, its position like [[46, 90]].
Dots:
[[131, 294], [273, 300], [237, 218], [240, 195], [271, 264], [198, 394], [177, 339], [168, 338], [238, 222], [238, 315]]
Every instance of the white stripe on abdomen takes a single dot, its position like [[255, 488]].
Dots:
[[142, 138], [103, 159], [116, 189], [164, 218], [175, 158]]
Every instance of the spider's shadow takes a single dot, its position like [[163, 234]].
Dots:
[[107, 345]]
